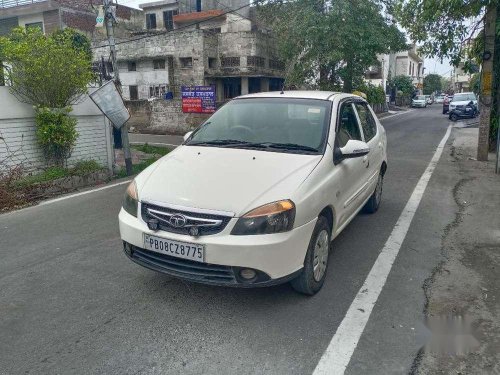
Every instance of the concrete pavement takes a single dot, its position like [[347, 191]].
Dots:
[[72, 303]]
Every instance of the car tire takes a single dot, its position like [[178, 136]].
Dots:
[[311, 279], [453, 117], [374, 202]]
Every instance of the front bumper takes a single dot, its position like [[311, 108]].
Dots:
[[418, 105], [276, 257]]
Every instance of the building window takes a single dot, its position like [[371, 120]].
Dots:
[[158, 64], [157, 91], [150, 21], [134, 93], [256, 61], [168, 19], [198, 5], [132, 66], [228, 62], [34, 25], [276, 64], [186, 62], [214, 30], [212, 63]]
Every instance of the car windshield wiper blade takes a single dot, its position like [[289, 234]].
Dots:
[[219, 142], [291, 146]]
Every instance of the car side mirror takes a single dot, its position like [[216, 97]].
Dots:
[[352, 149], [187, 135]]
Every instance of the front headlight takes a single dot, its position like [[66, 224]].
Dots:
[[274, 217], [130, 200]]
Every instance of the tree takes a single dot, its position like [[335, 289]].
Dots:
[[52, 73], [48, 71], [451, 28], [404, 84], [432, 84], [330, 44]]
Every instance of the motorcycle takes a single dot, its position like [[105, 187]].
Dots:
[[463, 111]]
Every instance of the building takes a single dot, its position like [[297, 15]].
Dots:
[[52, 15], [409, 63], [190, 42], [461, 79]]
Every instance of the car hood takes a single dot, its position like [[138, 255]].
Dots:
[[224, 179], [419, 100]]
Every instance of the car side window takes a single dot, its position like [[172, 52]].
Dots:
[[367, 121], [348, 126]]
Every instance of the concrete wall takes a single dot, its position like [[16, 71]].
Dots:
[[162, 117], [17, 128]]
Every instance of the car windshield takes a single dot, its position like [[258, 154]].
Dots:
[[420, 97], [463, 97], [270, 124]]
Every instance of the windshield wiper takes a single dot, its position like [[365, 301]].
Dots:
[[219, 142], [290, 146]]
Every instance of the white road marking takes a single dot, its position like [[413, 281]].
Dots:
[[339, 352], [50, 201], [396, 114]]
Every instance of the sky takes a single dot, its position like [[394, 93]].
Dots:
[[431, 65]]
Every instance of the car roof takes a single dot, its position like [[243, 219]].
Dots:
[[300, 94]]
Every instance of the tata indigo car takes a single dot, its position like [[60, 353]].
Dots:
[[256, 194]]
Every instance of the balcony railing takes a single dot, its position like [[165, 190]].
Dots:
[[16, 3]]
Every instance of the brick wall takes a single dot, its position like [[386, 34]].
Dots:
[[162, 117]]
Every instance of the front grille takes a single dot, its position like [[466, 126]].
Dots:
[[184, 268], [205, 223]]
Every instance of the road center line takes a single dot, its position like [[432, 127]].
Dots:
[[340, 349]]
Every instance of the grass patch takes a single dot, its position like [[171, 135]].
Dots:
[[82, 168], [153, 150]]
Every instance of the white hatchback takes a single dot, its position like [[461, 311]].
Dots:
[[256, 194]]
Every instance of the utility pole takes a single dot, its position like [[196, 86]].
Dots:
[[486, 82], [109, 18]]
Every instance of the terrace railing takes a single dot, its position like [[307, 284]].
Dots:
[[15, 3]]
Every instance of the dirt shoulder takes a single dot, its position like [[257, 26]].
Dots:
[[463, 294]]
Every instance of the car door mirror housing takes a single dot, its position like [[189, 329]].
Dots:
[[353, 149], [187, 135]]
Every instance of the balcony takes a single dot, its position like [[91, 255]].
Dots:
[[197, 16], [16, 3]]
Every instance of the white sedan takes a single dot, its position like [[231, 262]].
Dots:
[[256, 194]]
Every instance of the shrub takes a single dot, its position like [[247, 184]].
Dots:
[[85, 167], [55, 133]]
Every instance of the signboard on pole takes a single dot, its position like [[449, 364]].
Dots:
[[110, 102], [198, 99], [100, 17]]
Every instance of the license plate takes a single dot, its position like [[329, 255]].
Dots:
[[176, 249]]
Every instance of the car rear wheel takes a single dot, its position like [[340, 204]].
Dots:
[[374, 202], [313, 274]]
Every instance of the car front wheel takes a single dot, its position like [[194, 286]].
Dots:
[[374, 202], [313, 274]]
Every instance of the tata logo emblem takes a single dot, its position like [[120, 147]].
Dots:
[[177, 220]]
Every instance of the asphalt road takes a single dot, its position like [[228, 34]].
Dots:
[[72, 303]]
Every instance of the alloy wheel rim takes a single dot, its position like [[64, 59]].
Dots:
[[320, 255]]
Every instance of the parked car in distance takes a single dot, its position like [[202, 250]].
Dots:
[[439, 99], [429, 99], [462, 99], [446, 103], [419, 101], [256, 194]]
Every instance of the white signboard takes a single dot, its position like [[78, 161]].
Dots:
[[110, 102]]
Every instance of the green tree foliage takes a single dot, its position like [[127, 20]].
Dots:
[[432, 84], [330, 44], [48, 71], [403, 84], [374, 94], [55, 133], [451, 28]]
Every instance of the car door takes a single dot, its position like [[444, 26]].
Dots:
[[351, 171], [371, 135]]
